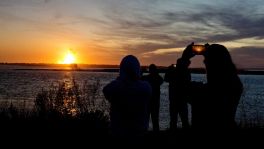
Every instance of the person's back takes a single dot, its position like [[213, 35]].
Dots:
[[155, 80], [129, 98], [178, 78], [169, 77], [214, 104], [224, 85]]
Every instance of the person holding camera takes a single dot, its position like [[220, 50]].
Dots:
[[214, 104]]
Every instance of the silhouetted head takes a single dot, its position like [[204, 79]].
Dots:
[[130, 68], [153, 69], [217, 55], [218, 62]]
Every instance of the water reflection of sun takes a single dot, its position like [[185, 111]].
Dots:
[[69, 97], [69, 58]]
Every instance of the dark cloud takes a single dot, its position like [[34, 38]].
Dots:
[[47, 1], [248, 57], [207, 25], [26, 3], [241, 25], [178, 28]]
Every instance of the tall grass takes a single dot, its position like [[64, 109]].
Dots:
[[63, 105]]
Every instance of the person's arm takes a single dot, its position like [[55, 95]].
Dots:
[[184, 62], [183, 76], [109, 90], [106, 91], [160, 80], [182, 73]]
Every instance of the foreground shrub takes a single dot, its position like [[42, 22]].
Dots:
[[62, 107]]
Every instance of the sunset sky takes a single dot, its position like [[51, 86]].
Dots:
[[103, 31]]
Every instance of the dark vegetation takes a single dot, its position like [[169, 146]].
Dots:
[[63, 110]]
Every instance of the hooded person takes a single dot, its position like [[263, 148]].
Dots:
[[129, 100]]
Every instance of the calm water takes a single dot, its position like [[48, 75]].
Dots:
[[23, 85]]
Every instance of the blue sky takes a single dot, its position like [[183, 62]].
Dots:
[[156, 31]]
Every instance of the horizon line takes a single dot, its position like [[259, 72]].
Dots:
[[18, 63]]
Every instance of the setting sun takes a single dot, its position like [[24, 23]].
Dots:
[[69, 58]]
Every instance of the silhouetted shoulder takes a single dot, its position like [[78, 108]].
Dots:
[[145, 86], [120, 87], [111, 86]]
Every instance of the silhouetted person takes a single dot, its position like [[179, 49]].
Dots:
[[129, 98], [155, 80], [178, 82], [214, 104]]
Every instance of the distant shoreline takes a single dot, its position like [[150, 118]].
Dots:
[[162, 70], [107, 68]]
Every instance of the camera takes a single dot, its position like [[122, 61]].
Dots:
[[198, 49]]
